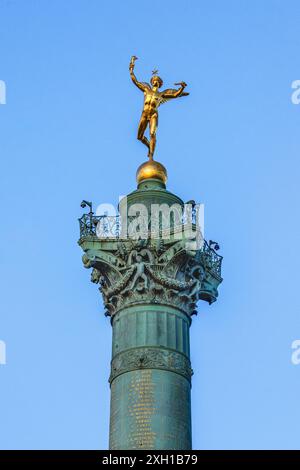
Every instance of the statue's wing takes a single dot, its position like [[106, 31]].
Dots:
[[170, 93]]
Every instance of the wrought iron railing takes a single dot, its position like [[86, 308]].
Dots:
[[105, 226], [102, 226], [211, 258]]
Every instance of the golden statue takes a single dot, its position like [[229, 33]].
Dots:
[[153, 98]]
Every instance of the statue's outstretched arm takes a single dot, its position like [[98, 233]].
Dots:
[[140, 85], [171, 93]]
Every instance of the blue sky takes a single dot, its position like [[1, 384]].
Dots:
[[68, 132]]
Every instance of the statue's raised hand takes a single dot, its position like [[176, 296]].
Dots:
[[183, 84], [132, 62]]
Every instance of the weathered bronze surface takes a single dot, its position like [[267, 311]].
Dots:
[[150, 289]]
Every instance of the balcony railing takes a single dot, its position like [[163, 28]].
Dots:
[[105, 227], [211, 258], [102, 226]]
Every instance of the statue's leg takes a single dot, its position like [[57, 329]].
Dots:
[[135, 279], [145, 280], [153, 127], [141, 130]]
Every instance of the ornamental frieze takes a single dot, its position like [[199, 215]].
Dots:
[[150, 358]]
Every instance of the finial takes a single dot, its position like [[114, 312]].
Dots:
[[151, 170], [155, 71]]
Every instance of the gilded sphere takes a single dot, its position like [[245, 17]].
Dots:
[[151, 169]]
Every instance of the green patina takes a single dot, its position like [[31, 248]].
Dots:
[[150, 287]]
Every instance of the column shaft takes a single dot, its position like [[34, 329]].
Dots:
[[150, 379]]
